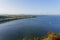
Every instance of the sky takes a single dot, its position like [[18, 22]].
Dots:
[[30, 7]]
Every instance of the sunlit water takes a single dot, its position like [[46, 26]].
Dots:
[[32, 26]]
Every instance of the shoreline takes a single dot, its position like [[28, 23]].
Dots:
[[15, 18]]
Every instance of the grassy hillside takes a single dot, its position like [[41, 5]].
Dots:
[[9, 18]]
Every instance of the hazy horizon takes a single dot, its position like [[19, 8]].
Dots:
[[29, 7]]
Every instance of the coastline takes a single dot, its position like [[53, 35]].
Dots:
[[9, 18]]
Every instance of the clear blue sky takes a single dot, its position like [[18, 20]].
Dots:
[[40, 7]]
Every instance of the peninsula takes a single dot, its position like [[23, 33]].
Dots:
[[14, 17]]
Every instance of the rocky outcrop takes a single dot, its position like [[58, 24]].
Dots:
[[48, 36], [51, 36]]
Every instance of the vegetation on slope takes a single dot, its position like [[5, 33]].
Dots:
[[49, 36], [9, 18]]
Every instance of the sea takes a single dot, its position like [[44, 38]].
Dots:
[[30, 27]]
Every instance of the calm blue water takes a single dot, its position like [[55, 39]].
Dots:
[[27, 27]]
